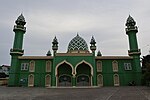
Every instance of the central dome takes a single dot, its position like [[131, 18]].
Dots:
[[78, 45]]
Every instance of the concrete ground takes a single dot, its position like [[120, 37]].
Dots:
[[102, 93]]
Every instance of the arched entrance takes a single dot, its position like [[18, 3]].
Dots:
[[64, 75], [83, 75], [83, 80], [65, 80]]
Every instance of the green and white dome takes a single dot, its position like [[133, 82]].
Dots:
[[77, 44]]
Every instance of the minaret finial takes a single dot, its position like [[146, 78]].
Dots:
[[92, 41], [20, 20], [99, 53], [130, 22], [49, 53], [55, 40], [77, 34]]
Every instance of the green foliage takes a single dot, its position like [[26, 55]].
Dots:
[[146, 66]]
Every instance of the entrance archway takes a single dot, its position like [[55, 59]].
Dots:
[[65, 80], [64, 75], [83, 80], [83, 73]]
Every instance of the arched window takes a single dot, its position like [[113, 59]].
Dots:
[[47, 80], [100, 80], [32, 66], [99, 66], [31, 80], [116, 80], [48, 66], [115, 66]]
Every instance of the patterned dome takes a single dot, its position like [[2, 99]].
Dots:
[[77, 44]]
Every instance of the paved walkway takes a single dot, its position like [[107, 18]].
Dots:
[[103, 93]]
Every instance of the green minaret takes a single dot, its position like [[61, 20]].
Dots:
[[93, 46], [16, 51], [134, 52], [55, 46]]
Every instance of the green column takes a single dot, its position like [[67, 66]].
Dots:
[[53, 73], [73, 81], [94, 73]]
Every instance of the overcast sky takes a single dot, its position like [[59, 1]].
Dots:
[[104, 19]]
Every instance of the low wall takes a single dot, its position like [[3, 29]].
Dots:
[[3, 81]]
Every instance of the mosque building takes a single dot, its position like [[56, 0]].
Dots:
[[79, 66]]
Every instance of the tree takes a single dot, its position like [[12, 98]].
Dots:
[[146, 69]]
